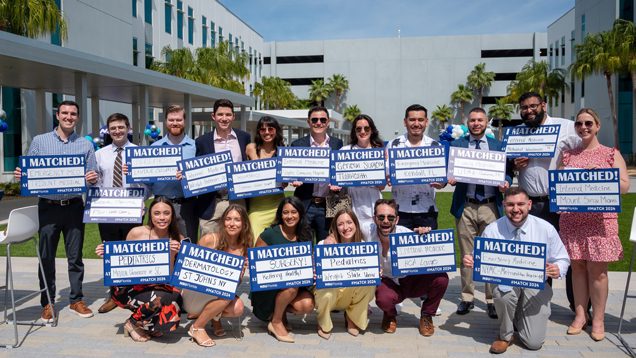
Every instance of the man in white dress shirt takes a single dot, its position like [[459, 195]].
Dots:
[[525, 309]]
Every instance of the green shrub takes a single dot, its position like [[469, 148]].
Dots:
[[10, 188]]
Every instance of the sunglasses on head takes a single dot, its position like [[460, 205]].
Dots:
[[267, 129], [588, 124], [391, 218], [360, 129], [322, 120]]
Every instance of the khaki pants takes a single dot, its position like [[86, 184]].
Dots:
[[212, 225]]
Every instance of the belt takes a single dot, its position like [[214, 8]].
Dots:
[[479, 202], [540, 198], [182, 200], [317, 200], [62, 202]]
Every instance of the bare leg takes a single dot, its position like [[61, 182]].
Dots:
[[283, 299], [598, 283], [234, 309], [581, 291], [211, 310]]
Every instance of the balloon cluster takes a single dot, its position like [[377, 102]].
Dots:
[[3, 125], [97, 141], [152, 131], [453, 132]]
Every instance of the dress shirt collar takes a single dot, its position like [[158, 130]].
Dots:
[[57, 135], [232, 134], [114, 147], [166, 141], [313, 143], [472, 139], [524, 228]]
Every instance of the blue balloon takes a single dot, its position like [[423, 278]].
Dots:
[[449, 129], [147, 132], [89, 138], [148, 126], [4, 126], [490, 135], [154, 135]]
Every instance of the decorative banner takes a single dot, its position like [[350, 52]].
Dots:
[[474, 166], [204, 174], [252, 178], [347, 265], [208, 271], [509, 262], [584, 191], [358, 167], [136, 262], [152, 164], [114, 205], [415, 254], [417, 165], [539, 142], [281, 266], [308, 165], [52, 174]]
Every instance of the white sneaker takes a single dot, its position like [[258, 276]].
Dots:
[[439, 312], [399, 307]]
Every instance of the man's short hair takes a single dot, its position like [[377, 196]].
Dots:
[[175, 108], [527, 95], [516, 190], [223, 103], [478, 110], [317, 109], [68, 103], [389, 202], [415, 107], [117, 117]]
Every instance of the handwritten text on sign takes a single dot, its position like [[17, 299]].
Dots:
[[475, 166], [583, 190], [114, 205], [152, 164], [530, 142], [347, 265], [419, 165], [252, 178], [48, 174], [204, 174], [363, 167], [136, 262], [509, 262], [308, 165], [415, 254], [281, 266], [207, 271]]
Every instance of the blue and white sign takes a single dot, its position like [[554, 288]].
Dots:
[[252, 178], [308, 165], [509, 262], [417, 165], [205, 174], [415, 254], [52, 174], [136, 262], [475, 166], [539, 142], [358, 167], [281, 266], [347, 265], [152, 164], [208, 271], [585, 191], [114, 205]]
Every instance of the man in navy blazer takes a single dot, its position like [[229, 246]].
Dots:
[[223, 137], [475, 207], [313, 195]]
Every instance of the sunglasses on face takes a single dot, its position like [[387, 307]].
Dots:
[[588, 124], [360, 129], [322, 120], [391, 218], [264, 130], [532, 107]]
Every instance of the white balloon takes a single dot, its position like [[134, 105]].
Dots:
[[454, 135], [460, 132], [488, 131], [3, 115]]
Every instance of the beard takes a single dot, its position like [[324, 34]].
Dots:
[[176, 131], [538, 118], [477, 133]]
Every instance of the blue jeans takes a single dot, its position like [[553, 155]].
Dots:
[[317, 221]]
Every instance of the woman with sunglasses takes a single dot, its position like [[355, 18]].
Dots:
[[269, 136], [364, 135], [344, 229], [591, 238]]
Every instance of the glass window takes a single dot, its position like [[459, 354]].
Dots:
[[56, 39], [149, 57], [190, 27], [148, 11], [572, 92], [134, 8], [135, 52], [572, 52], [12, 138], [583, 89], [242, 46], [563, 50], [236, 42], [204, 31], [260, 66], [550, 55], [220, 34], [180, 19], [212, 34], [582, 27], [168, 20], [251, 58], [556, 54], [231, 43]]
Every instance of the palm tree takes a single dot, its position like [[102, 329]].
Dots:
[[351, 112], [257, 91], [276, 93], [302, 103], [534, 77], [179, 62], [462, 95], [33, 18], [478, 79], [626, 34], [339, 84], [501, 111], [443, 114], [599, 53], [319, 91]]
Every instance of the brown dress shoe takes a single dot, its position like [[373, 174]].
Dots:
[[500, 346], [426, 326], [192, 317], [107, 306], [388, 324]]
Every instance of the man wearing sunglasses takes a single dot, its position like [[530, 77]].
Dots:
[[313, 196], [395, 289]]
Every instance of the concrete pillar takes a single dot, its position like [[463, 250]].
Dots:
[[95, 127], [40, 111], [187, 107], [290, 131], [243, 118], [81, 89], [143, 111], [135, 123]]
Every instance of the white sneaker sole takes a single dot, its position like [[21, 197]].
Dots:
[[50, 320]]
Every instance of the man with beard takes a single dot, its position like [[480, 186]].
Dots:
[[475, 207], [395, 289], [525, 309]]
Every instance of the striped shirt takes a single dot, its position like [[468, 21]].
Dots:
[[51, 144]]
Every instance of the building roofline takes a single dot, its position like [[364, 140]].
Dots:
[[560, 17], [245, 23]]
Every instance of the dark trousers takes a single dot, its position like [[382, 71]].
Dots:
[[114, 232], [413, 220], [317, 220], [433, 285], [67, 220]]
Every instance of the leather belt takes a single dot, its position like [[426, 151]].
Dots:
[[62, 202], [540, 198], [317, 200], [480, 202]]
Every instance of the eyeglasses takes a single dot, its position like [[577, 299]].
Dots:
[[588, 124], [322, 120], [533, 107], [264, 130], [360, 129], [391, 218]]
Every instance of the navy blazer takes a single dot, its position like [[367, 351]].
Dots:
[[459, 196], [305, 191], [205, 145]]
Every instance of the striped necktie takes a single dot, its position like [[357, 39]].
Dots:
[[117, 174]]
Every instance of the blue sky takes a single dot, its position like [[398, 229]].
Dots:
[[294, 20]]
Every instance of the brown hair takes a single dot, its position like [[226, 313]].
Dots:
[[389, 202], [478, 110], [173, 228], [245, 239], [591, 112], [175, 108], [516, 190], [333, 229], [117, 117], [223, 103]]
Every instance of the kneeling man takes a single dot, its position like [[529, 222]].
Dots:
[[525, 309]]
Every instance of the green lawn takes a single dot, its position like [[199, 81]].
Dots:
[[445, 221]]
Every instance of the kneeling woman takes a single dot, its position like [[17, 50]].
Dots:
[[289, 226], [155, 307], [234, 237], [344, 229]]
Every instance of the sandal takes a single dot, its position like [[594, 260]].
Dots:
[[354, 331], [217, 327], [207, 343], [137, 334]]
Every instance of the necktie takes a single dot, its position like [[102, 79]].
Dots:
[[479, 189], [505, 288], [117, 174]]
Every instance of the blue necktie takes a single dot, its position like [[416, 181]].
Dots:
[[479, 189], [505, 288]]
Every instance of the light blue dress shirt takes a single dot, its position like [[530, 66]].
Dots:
[[173, 189]]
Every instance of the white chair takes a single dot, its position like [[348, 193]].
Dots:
[[22, 225], [632, 238]]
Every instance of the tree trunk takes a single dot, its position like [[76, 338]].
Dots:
[[463, 114], [479, 93], [337, 101], [610, 93], [500, 126]]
